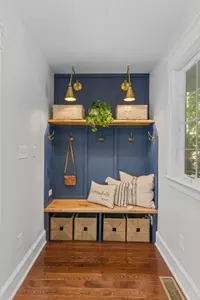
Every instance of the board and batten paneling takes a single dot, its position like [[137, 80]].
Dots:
[[59, 157], [96, 160], [48, 165], [153, 159], [132, 157], [100, 156]]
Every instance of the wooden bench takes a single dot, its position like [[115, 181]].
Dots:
[[83, 206]]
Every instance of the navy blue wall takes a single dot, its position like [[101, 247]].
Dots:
[[153, 159], [95, 160], [48, 166], [105, 87]]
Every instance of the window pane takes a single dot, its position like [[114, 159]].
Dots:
[[199, 104], [190, 162], [199, 74], [191, 80], [198, 134], [190, 110], [198, 159], [190, 135]]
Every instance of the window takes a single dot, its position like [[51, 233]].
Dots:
[[192, 122], [183, 111]]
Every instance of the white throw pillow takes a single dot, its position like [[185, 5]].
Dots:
[[132, 185], [102, 194], [144, 186], [126, 177], [122, 193]]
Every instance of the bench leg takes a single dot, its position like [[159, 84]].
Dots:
[[47, 225], [154, 228], [100, 227]]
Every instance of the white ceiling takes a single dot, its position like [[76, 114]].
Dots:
[[105, 35]]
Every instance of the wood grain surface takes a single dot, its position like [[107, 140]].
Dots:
[[114, 123], [79, 205], [82, 270]]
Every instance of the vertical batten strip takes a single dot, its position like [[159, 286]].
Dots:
[[85, 188], [115, 156]]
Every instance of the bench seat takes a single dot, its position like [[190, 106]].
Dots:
[[82, 205]]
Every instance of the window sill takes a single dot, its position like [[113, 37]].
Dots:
[[184, 187]]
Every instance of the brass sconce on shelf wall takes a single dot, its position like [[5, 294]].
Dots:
[[70, 96], [126, 86]]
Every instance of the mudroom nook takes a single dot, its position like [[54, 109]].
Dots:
[[99, 149], [127, 145]]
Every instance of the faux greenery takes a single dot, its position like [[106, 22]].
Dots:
[[99, 114]]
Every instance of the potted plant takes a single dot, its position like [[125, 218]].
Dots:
[[100, 113]]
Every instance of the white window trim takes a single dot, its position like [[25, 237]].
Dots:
[[2, 30], [184, 187], [175, 134], [188, 179]]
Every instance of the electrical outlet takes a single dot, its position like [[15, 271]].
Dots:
[[19, 240], [182, 242], [50, 192], [23, 152]]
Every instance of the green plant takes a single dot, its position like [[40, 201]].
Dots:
[[99, 114]]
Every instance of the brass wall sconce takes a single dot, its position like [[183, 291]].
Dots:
[[126, 86], [77, 87]]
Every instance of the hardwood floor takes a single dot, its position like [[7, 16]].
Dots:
[[95, 271]]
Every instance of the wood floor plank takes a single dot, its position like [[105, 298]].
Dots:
[[93, 292], [57, 297], [95, 271]]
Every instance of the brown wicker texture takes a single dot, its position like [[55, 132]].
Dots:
[[114, 228], [61, 229], [68, 112], [85, 228], [132, 112], [138, 230]]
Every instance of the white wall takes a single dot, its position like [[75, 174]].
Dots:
[[27, 84], [179, 213]]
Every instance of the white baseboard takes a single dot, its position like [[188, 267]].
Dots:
[[9, 289], [184, 280]]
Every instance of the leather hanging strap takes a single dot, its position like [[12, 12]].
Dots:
[[69, 152]]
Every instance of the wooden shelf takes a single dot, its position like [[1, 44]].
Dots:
[[80, 205], [114, 123]]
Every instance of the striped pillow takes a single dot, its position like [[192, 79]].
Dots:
[[122, 191], [132, 186], [144, 186]]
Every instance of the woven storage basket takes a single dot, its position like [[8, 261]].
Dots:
[[114, 228], [138, 230], [85, 227], [68, 112], [61, 228], [132, 112]]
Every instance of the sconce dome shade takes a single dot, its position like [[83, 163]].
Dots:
[[129, 95], [70, 94]]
